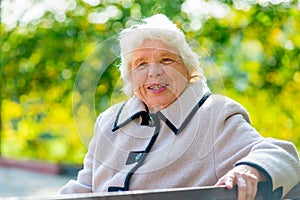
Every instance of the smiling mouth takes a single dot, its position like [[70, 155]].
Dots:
[[157, 87]]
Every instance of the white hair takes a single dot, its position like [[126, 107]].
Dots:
[[157, 27]]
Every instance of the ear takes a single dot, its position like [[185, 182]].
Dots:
[[188, 76]]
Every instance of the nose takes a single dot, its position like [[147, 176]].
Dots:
[[155, 70]]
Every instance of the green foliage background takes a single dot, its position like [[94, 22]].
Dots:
[[256, 51]]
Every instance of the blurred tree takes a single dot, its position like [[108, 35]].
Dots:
[[62, 66]]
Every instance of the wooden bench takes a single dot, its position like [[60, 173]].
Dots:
[[195, 193]]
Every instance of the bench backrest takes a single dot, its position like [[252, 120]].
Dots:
[[198, 193]]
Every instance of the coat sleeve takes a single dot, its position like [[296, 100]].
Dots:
[[237, 138]]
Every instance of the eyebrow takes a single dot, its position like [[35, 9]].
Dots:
[[138, 60], [160, 55]]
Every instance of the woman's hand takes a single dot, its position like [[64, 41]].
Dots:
[[246, 178]]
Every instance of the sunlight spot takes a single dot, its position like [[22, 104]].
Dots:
[[241, 5], [127, 3], [297, 77], [66, 74], [246, 4], [199, 11], [28, 11], [289, 123], [92, 2], [289, 45], [103, 16], [252, 49], [6, 47]]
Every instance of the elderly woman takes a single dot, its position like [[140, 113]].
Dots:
[[172, 132]]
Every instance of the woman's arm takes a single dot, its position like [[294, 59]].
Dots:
[[253, 158]]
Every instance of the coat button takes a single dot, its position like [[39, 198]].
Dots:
[[138, 156], [151, 121]]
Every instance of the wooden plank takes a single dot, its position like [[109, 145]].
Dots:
[[194, 193], [199, 193]]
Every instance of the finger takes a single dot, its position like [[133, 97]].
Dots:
[[242, 186], [221, 181], [225, 181], [229, 183], [251, 183]]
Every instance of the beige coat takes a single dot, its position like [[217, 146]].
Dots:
[[218, 137]]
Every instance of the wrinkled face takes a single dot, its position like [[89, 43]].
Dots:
[[157, 74]]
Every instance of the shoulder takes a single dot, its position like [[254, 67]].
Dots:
[[226, 107], [109, 115], [114, 109]]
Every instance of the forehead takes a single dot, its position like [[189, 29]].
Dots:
[[151, 48]]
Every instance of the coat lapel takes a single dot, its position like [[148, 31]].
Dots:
[[175, 114], [179, 110]]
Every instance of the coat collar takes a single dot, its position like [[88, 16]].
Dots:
[[176, 113]]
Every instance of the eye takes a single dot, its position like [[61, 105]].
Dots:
[[167, 61], [141, 65]]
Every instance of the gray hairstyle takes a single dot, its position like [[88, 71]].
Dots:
[[157, 27]]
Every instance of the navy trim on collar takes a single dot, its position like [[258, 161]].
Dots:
[[144, 114], [187, 119], [146, 119]]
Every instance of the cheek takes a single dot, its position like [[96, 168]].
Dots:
[[137, 80], [178, 75], [179, 80]]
